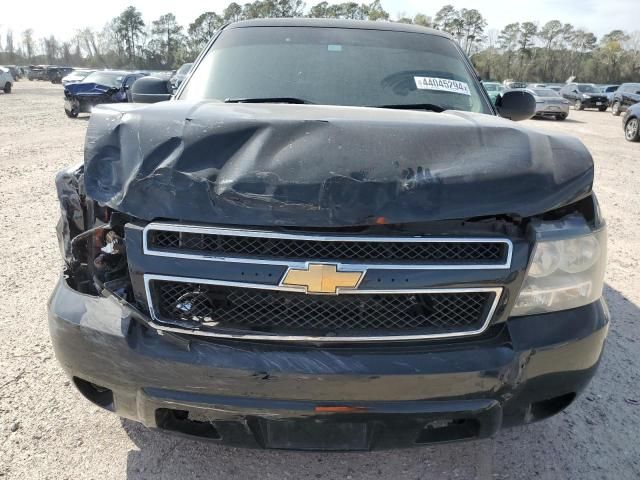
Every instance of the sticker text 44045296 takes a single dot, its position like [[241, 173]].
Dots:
[[442, 85]]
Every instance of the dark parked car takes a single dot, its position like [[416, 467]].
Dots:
[[627, 94], [56, 74], [328, 240], [105, 86], [585, 95], [631, 123], [181, 74], [37, 72]]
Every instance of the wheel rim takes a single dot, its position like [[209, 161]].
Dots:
[[578, 104], [632, 129], [615, 107]]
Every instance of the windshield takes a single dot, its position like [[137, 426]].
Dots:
[[545, 92], [108, 79], [336, 66], [587, 89]]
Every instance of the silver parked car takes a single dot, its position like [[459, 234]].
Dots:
[[6, 80], [549, 103]]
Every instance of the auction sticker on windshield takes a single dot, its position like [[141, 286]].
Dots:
[[442, 84]]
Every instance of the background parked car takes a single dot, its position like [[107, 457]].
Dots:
[[631, 123], [76, 76], [180, 75], [550, 104], [37, 72], [511, 84], [493, 90], [585, 95], [15, 72], [6, 80], [163, 74], [56, 74], [104, 86], [628, 94], [608, 90]]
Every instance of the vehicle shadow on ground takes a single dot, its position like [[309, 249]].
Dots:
[[558, 448], [566, 120]]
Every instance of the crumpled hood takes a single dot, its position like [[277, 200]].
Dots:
[[88, 89], [324, 166]]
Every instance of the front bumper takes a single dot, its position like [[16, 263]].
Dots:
[[324, 397], [594, 102], [85, 104]]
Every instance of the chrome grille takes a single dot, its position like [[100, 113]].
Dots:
[[362, 249], [232, 309]]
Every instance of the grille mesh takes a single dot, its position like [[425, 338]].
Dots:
[[206, 306], [295, 249]]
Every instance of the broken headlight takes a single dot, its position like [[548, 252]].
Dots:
[[566, 268]]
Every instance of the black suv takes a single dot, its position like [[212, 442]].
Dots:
[[328, 240], [627, 94], [585, 95]]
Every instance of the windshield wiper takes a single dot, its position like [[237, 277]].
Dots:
[[294, 100], [413, 106]]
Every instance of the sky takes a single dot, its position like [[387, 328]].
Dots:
[[58, 18]]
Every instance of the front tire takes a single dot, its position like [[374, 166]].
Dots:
[[632, 130], [72, 113], [615, 109], [561, 117], [7, 88], [578, 105]]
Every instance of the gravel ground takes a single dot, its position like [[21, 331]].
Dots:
[[48, 431]]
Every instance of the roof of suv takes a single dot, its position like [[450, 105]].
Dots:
[[337, 23]]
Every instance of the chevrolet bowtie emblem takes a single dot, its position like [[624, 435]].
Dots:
[[320, 278]]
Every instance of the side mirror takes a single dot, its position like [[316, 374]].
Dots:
[[150, 90], [516, 105]]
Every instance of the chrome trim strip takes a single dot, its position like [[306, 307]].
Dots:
[[497, 291], [158, 226]]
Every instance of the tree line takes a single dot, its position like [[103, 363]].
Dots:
[[552, 52]]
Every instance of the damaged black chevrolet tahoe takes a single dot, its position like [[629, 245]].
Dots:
[[329, 240]]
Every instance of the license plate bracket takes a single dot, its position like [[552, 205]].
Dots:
[[315, 434]]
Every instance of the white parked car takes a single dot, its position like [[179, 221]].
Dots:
[[76, 76], [6, 80]]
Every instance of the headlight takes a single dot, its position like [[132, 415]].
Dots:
[[584, 95], [564, 272]]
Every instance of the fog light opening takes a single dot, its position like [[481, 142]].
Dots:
[[179, 421], [551, 406], [449, 430], [101, 396]]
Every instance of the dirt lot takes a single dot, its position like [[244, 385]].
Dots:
[[48, 431]]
